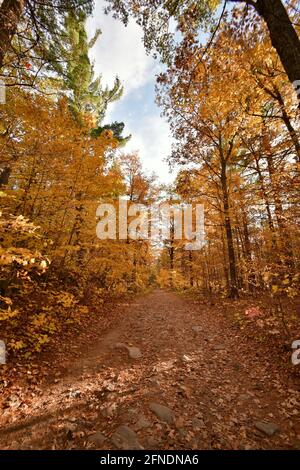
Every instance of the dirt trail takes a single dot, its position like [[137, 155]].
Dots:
[[198, 384]]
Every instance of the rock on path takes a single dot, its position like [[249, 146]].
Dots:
[[126, 439], [133, 352], [162, 412]]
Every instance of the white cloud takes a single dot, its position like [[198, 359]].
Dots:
[[152, 139], [120, 51]]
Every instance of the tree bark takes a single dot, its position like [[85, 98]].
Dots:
[[233, 293], [226, 272], [10, 16], [276, 95], [4, 175], [288, 123], [191, 269], [283, 35], [264, 191]]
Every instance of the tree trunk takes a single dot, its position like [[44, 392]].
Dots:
[[4, 175], [247, 243], [191, 269], [264, 191], [10, 16], [283, 35], [233, 293], [226, 272], [275, 192], [284, 235], [292, 132], [288, 122], [239, 255]]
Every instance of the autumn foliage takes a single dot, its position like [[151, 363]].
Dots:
[[235, 119], [234, 116], [52, 263]]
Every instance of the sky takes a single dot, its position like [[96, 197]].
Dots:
[[120, 52]]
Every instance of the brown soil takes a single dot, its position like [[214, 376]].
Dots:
[[216, 382]]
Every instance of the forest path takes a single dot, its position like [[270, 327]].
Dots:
[[199, 384]]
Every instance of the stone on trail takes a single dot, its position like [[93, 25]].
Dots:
[[198, 423], [133, 352], [267, 428], [73, 393], [109, 386], [13, 401], [142, 423], [97, 439], [125, 439], [162, 412], [219, 347], [244, 397], [197, 329], [164, 366], [186, 358], [153, 443], [70, 427]]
